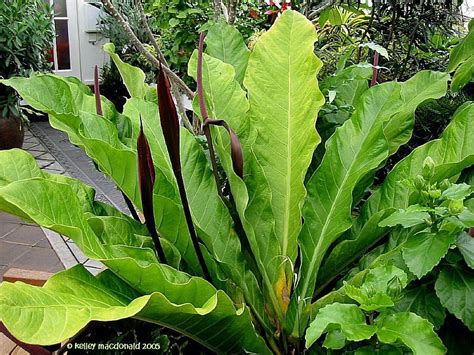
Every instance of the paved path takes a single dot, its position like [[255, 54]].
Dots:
[[30, 247]]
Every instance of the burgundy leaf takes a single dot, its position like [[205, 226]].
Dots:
[[375, 69], [235, 147], [146, 180], [98, 103], [200, 88], [170, 127], [169, 119]]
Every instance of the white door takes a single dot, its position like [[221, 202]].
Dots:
[[66, 55]]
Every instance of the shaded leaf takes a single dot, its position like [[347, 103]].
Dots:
[[423, 301], [455, 289], [465, 244]]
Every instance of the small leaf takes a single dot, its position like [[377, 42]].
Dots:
[[369, 301], [331, 95], [457, 191], [334, 340], [377, 48], [412, 330], [376, 292], [345, 317], [423, 251], [455, 289], [467, 218], [465, 244], [412, 216]]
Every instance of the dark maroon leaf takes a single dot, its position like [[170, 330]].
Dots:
[[235, 147], [375, 70], [98, 103], [200, 89], [169, 119], [170, 126], [146, 180]]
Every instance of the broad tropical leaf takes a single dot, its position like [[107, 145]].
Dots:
[[284, 101], [133, 77], [224, 42], [73, 298]]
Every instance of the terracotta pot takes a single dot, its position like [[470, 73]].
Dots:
[[12, 133]]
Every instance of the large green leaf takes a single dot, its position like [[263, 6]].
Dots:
[[463, 75], [73, 298], [225, 42], [209, 212], [455, 289], [381, 120], [412, 330], [451, 154], [424, 250], [346, 317], [461, 61], [133, 77], [463, 51], [284, 101], [53, 203], [99, 138]]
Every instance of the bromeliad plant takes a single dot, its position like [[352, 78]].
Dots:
[[249, 258]]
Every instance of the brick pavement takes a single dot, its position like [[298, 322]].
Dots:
[[31, 247]]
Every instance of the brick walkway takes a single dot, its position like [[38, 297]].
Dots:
[[25, 246], [30, 247]]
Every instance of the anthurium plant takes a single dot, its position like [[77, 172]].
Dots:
[[254, 239]]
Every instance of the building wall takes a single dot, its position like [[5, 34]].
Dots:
[[90, 41]]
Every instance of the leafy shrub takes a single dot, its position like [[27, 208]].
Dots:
[[274, 265], [26, 38]]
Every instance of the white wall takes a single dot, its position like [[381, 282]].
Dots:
[[90, 42]]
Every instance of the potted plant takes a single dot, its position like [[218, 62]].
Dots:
[[26, 35]]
